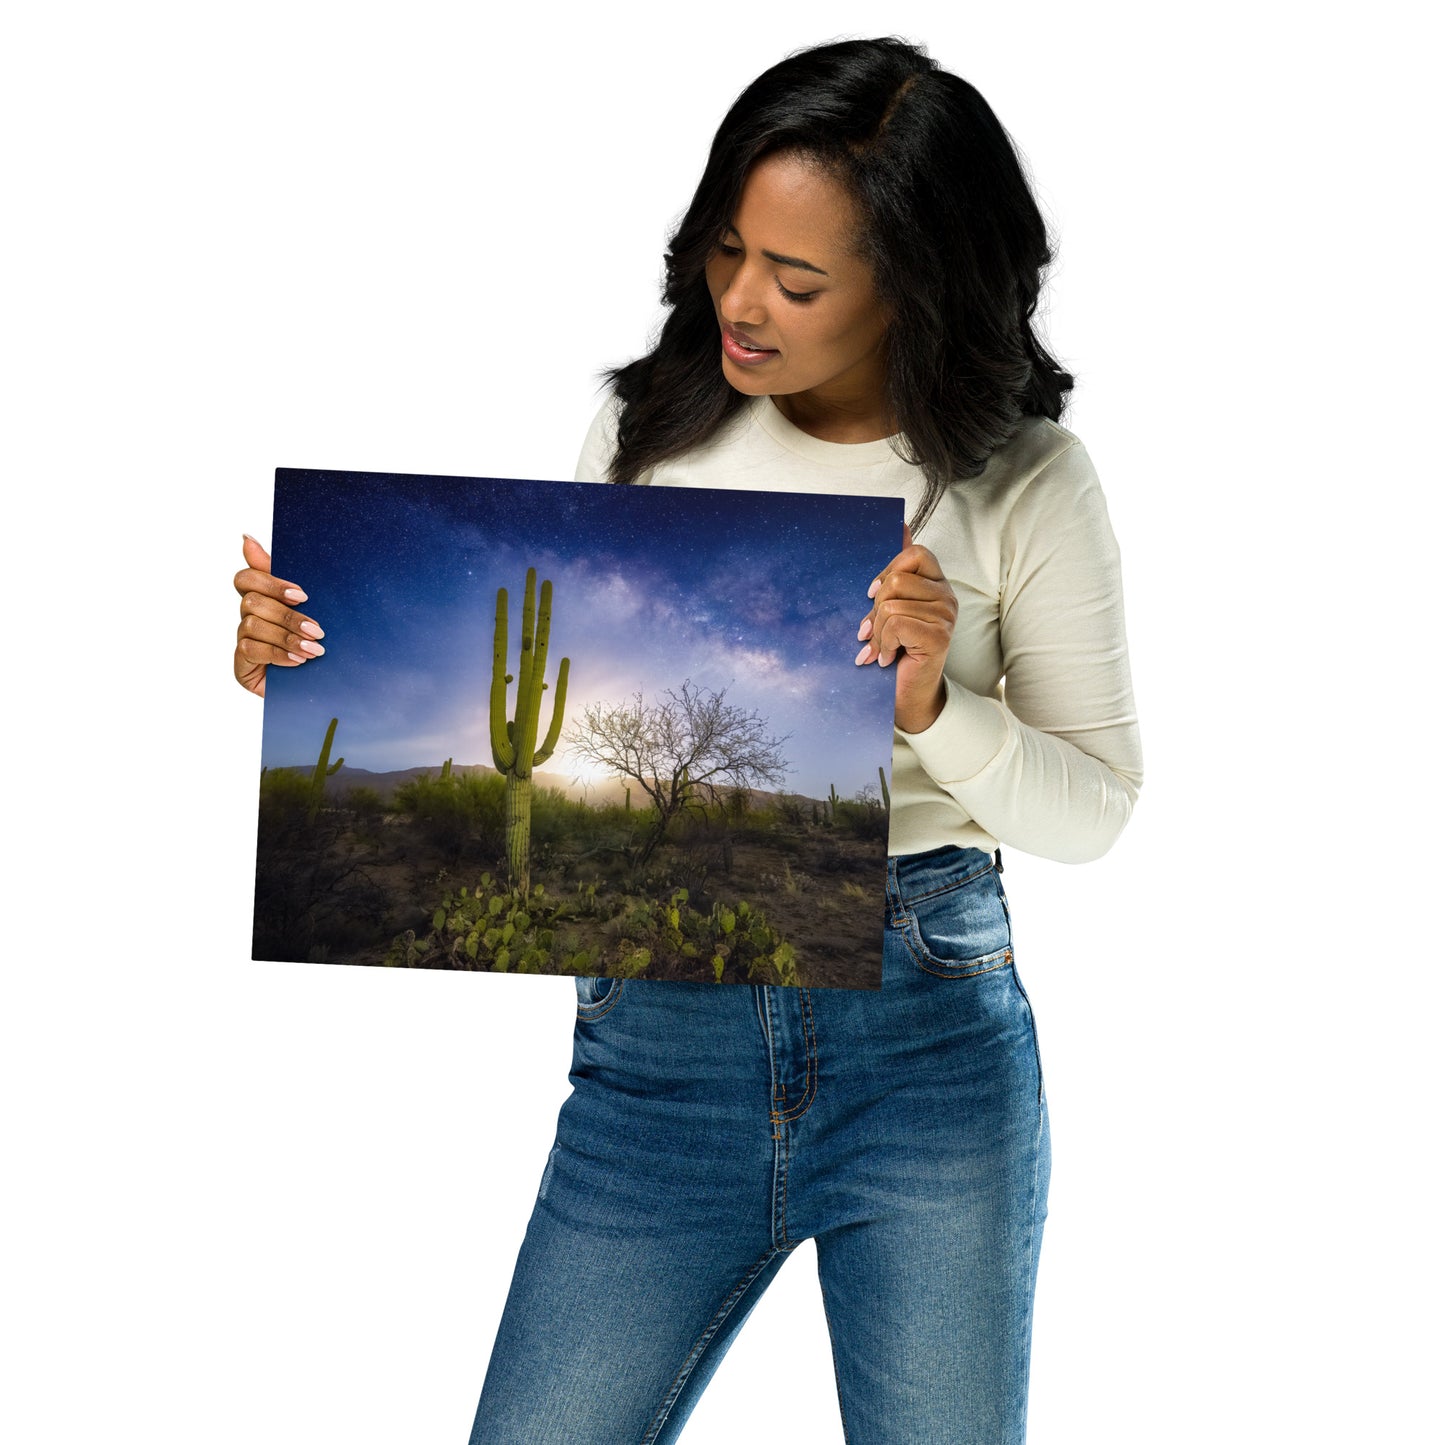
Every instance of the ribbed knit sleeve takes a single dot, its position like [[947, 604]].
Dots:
[[1055, 767]]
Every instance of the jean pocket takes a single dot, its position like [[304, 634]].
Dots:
[[597, 996], [960, 930]]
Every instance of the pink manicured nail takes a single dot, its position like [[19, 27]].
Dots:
[[877, 583], [863, 654], [314, 649], [294, 594], [311, 629], [866, 630], [295, 657]]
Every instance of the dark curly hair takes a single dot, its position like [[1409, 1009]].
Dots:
[[949, 226]]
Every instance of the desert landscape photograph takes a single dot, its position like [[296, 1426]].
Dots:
[[563, 728]]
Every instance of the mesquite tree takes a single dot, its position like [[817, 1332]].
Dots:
[[687, 745], [514, 740]]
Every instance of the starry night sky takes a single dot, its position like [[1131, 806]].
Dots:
[[760, 594]]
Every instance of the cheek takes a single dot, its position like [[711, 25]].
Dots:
[[717, 281]]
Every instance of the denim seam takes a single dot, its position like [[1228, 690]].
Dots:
[[810, 1085], [590, 1011], [964, 968], [703, 1340], [837, 1373], [782, 1153], [1033, 1033], [946, 888], [1024, 1341]]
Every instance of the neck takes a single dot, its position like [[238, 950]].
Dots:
[[837, 419]]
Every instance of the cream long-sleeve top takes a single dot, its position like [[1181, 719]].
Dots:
[[1037, 746]]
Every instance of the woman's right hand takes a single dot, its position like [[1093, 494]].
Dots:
[[271, 629]]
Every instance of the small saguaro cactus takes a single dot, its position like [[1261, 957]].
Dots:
[[883, 786], [833, 801], [446, 776], [323, 770], [514, 740]]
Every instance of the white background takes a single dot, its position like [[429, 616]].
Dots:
[[261, 1202]]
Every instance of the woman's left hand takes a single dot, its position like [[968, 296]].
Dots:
[[914, 610]]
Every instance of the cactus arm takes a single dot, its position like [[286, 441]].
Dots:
[[531, 718], [502, 753], [526, 678], [324, 769], [558, 703], [324, 766]]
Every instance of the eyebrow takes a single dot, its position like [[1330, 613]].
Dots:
[[794, 261]]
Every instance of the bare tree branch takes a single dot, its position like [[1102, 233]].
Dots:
[[689, 742]]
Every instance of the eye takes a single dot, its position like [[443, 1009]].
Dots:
[[725, 250], [798, 296]]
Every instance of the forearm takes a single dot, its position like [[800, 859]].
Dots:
[[1029, 788]]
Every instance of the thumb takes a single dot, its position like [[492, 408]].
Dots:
[[255, 554], [907, 535]]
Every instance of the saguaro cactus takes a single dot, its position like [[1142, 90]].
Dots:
[[446, 776], [323, 770], [883, 784], [514, 740]]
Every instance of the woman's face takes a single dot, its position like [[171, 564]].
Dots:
[[796, 305]]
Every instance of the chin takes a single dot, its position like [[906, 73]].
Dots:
[[748, 385]]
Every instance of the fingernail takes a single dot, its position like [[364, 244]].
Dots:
[[295, 657], [311, 629], [247, 537], [863, 654], [294, 594], [877, 583], [314, 648], [866, 630]]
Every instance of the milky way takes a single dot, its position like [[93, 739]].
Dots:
[[759, 594]]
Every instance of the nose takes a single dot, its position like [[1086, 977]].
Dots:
[[741, 302]]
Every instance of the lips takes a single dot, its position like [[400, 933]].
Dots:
[[743, 349]]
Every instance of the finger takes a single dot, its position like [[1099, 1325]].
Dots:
[[296, 645], [249, 579], [268, 609], [908, 594], [924, 633], [912, 558], [910, 585], [907, 536], [259, 652], [255, 554]]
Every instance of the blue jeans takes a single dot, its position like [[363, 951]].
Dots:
[[711, 1129]]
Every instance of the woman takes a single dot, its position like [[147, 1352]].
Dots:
[[850, 297]]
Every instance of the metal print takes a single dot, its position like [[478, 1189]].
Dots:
[[565, 728]]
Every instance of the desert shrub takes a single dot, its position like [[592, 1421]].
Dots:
[[864, 820], [453, 812], [365, 802], [286, 797]]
